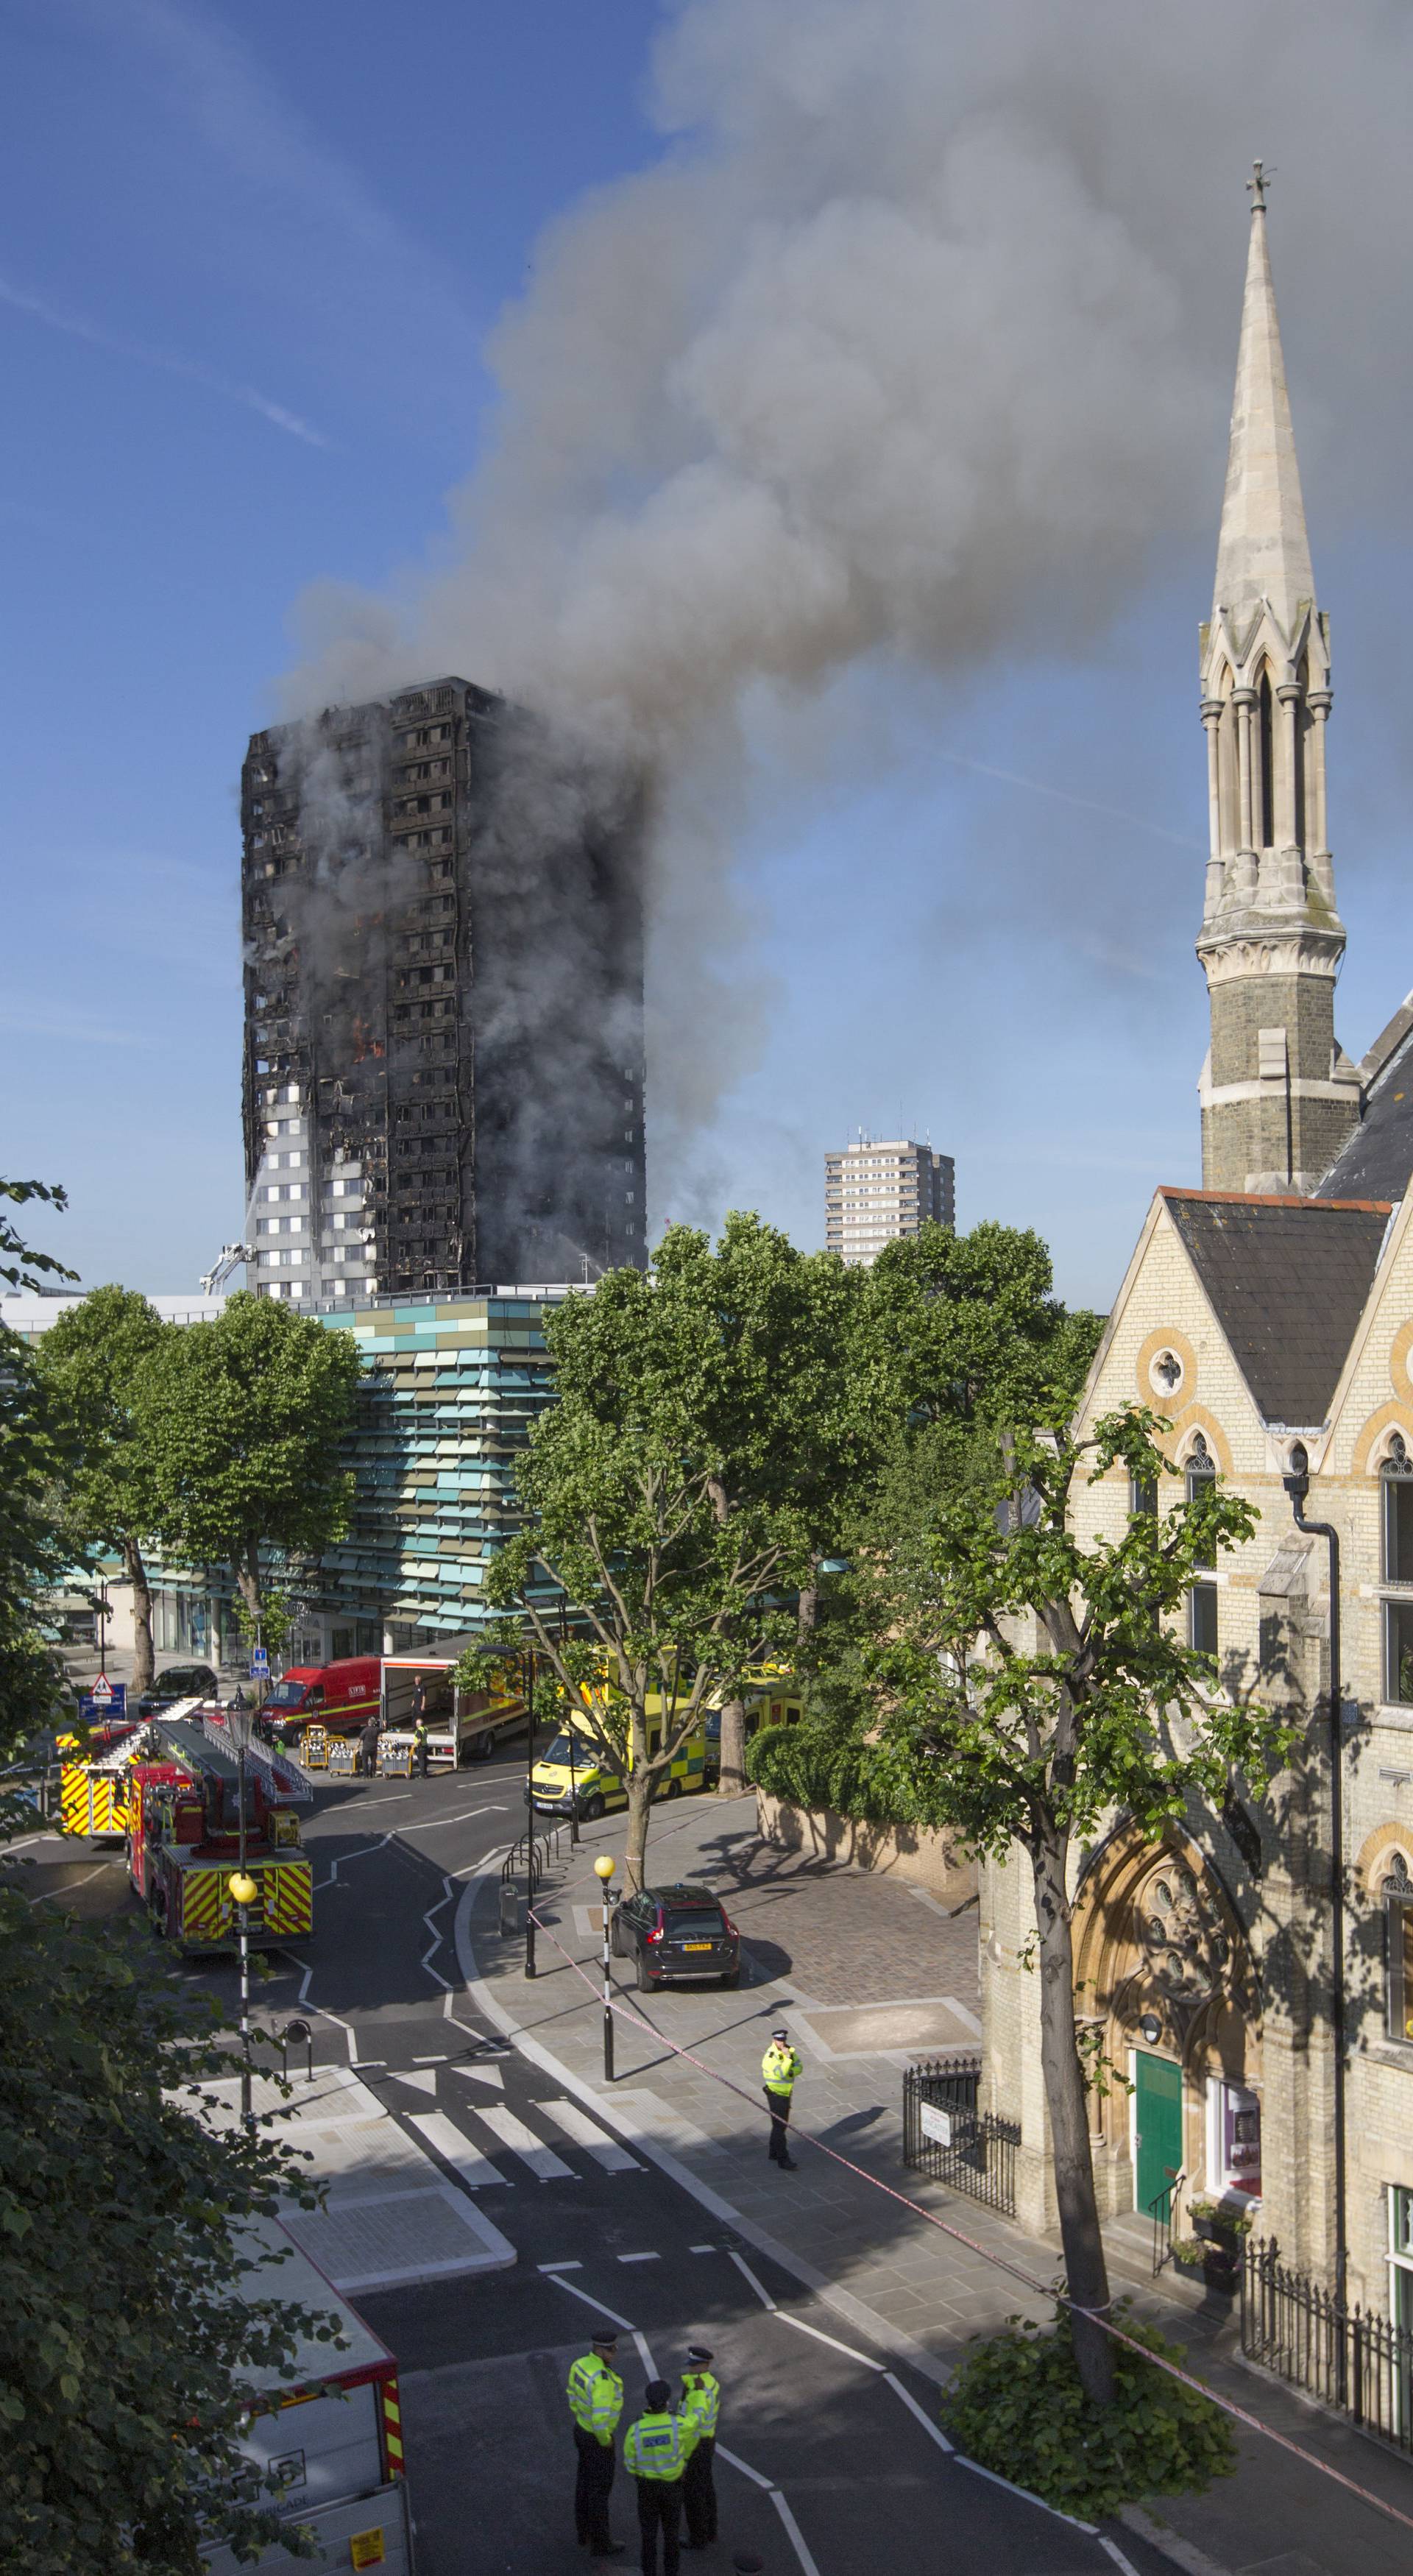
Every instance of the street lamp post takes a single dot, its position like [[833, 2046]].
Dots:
[[603, 1872], [243, 1894], [1297, 1485], [569, 1723]]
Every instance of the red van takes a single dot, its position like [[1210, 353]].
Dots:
[[338, 1696]]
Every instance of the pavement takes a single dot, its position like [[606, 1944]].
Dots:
[[442, 2074]]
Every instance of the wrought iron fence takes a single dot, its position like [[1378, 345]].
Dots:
[[1351, 2357], [946, 2137]]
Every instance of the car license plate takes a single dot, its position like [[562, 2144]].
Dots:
[[696, 1945]]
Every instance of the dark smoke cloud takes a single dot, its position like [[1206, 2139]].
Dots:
[[917, 342]]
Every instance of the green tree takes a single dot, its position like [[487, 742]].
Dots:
[[35, 1456], [682, 1489], [19, 1262], [1022, 1686], [121, 2330], [91, 1359], [240, 1421]]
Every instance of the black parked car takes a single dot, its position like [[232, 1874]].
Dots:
[[678, 1935], [179, 1681]]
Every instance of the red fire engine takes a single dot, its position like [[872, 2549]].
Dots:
[[184, 1845]]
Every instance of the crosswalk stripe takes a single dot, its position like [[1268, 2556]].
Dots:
[[584, 2132], [476, 2170], [522, 2142]]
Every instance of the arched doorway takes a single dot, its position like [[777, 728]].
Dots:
[[1167, 1997]]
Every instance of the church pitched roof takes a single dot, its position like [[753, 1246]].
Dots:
[[1287, 1280], [1377, 1160], [1263, 551]]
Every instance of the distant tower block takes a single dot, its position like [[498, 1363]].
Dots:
[[873, 1193], [1279, 1097]]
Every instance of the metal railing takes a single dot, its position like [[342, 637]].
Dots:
[[528, 1859], [946, 2137], [1353, 2358], [1161, 2213]]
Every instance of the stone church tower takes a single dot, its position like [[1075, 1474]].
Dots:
[[1279, 1097]]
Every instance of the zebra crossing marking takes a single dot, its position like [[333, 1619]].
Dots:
[[523, 2143]]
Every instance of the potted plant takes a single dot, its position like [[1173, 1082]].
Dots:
[[1219, 2222], [1217, 2264]]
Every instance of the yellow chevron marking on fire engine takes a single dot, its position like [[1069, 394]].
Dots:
[[73, 1799], [201, 1904], [288, 1891]]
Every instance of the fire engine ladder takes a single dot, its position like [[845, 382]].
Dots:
[[285, 1783]]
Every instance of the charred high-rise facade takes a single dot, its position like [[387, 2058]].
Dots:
[[442, 916]]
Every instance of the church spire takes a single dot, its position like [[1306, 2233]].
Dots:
[[1278, 1096], [1263, 551]]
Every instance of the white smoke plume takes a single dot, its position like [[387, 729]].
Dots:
[[917, 341]]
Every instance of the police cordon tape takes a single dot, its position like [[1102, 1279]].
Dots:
[[1043, 2289]]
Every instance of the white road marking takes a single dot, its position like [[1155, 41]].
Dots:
[[434, 1823], [701, 2249], [745, 2468], [437, 2058], [1025, 2493], [333, 1878], [482, 2075], [523, 2142], [387, 1797], [644, 2356], [611, 2313], [835, 2345], [640, 2258], [762, 2293], [420, 2078], [924, 2419], [1117, 2555], [560, 2267], [425, 1962], [476, 2170], [797, 2537], [584, 2132]]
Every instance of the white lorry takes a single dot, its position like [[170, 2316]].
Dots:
[[462, 1726]]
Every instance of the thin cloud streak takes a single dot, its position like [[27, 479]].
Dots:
[[115, 344], [1064, 796]]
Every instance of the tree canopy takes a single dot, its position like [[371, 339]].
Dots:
[[1019, 1684], [240, 1421], [121, 2328], [711, 1420], [91, 1359]]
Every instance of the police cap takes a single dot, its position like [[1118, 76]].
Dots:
[[699, 2353]]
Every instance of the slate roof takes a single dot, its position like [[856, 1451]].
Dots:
[[1378, 1159], [1288, 1280]]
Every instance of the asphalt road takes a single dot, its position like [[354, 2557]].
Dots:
[[831, 2462]]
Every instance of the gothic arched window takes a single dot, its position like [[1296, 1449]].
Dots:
[[1398, 1916], [1201, 1476], [1396, 1493], [1268, 766]]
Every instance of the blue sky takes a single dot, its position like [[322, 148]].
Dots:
[[249, 261]]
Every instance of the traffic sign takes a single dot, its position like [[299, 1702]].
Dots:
[[259, 1661], [102, 1692], [95, 1711]]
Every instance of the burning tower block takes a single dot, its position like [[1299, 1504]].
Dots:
[[443, 1086]]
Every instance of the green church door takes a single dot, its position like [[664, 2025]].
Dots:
[[1157, 2126]]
